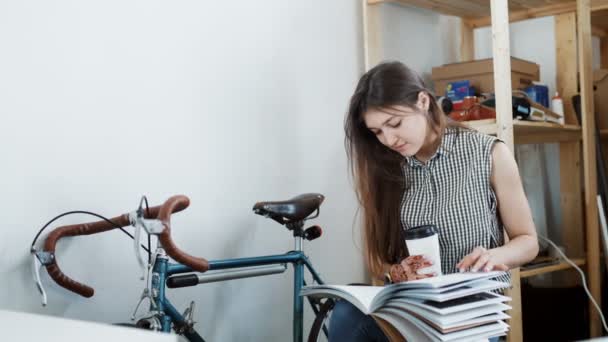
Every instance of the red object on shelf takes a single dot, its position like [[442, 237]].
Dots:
[[476, 112], [458, 105], [459, 115]]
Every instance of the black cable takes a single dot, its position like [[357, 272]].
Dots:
[[87, 213], [149, 238]]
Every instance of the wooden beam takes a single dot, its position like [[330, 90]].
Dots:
[[372, 40], [515, 334], [443, 7], [504, 120], [598, 5], [520, 15], [598, 32], [467, 42], [571, 205], [544, 11], [565, 58], [502, 70], [589, 163], [552, 268]]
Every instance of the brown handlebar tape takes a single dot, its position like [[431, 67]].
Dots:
[[172, 205], [74, 230]]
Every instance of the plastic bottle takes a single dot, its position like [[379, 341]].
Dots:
[[557, 106]]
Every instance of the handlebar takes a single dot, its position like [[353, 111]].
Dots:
[[163, 213]]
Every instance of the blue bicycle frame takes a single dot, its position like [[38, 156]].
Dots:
[[163, 269], [162, 315]]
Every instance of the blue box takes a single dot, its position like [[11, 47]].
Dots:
[[457, 91], [538, 93]]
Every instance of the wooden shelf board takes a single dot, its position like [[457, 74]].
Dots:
[[604, 134], [487, 126], [531, 132], [477, 13], [475, 9], [562, 265], [599, 20]]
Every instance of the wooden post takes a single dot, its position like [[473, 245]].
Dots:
[[570, 201], [502, 70], [372, 42], [467, 42], [571, 204], [567, 82], [569, 152], [504, 120], [588, 125]]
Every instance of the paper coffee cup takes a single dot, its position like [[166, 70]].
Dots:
[[424, 240]]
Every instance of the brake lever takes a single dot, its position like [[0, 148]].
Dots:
[[36, 266], [152, 227], [135, 220]]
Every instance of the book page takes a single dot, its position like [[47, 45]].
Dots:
[[446, 280], [360, 296], [454, 319], [479, 332], [408, 330], [455, 305], [466, 290], [448, 288], [369, 298]]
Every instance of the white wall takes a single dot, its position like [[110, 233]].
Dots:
[[227, 102], [596, 55], [420, 38]]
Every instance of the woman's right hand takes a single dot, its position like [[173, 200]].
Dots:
[[408, 269]]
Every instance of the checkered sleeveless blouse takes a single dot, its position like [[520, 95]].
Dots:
[[453, 192]]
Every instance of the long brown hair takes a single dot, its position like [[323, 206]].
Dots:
[[377, 170]]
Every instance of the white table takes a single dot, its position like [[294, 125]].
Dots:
[[20, 326]]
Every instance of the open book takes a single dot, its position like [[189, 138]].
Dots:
[[453, 307]]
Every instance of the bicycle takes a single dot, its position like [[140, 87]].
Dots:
[[188, 270]]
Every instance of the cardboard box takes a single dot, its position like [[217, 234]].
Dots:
[[600, 99], [481, 74]]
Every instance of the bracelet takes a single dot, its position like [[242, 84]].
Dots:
[[387, 278]]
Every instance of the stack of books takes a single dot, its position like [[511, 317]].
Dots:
[[454, 307]]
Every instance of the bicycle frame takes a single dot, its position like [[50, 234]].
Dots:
[[163, 269], [156, 221]]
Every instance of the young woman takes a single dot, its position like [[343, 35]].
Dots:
[[413, 166]]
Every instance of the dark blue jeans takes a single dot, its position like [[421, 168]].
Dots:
[[347, 323]]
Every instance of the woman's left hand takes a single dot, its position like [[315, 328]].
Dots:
[[481, 259]]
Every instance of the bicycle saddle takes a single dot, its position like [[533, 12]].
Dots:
[[295, 209]]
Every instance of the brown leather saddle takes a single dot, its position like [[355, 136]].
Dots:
[[292, 210]]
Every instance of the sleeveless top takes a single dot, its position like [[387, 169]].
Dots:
[[453, 192]]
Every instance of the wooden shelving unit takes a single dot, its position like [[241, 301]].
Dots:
[[531, 132], [562, 265], [573, 31]]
